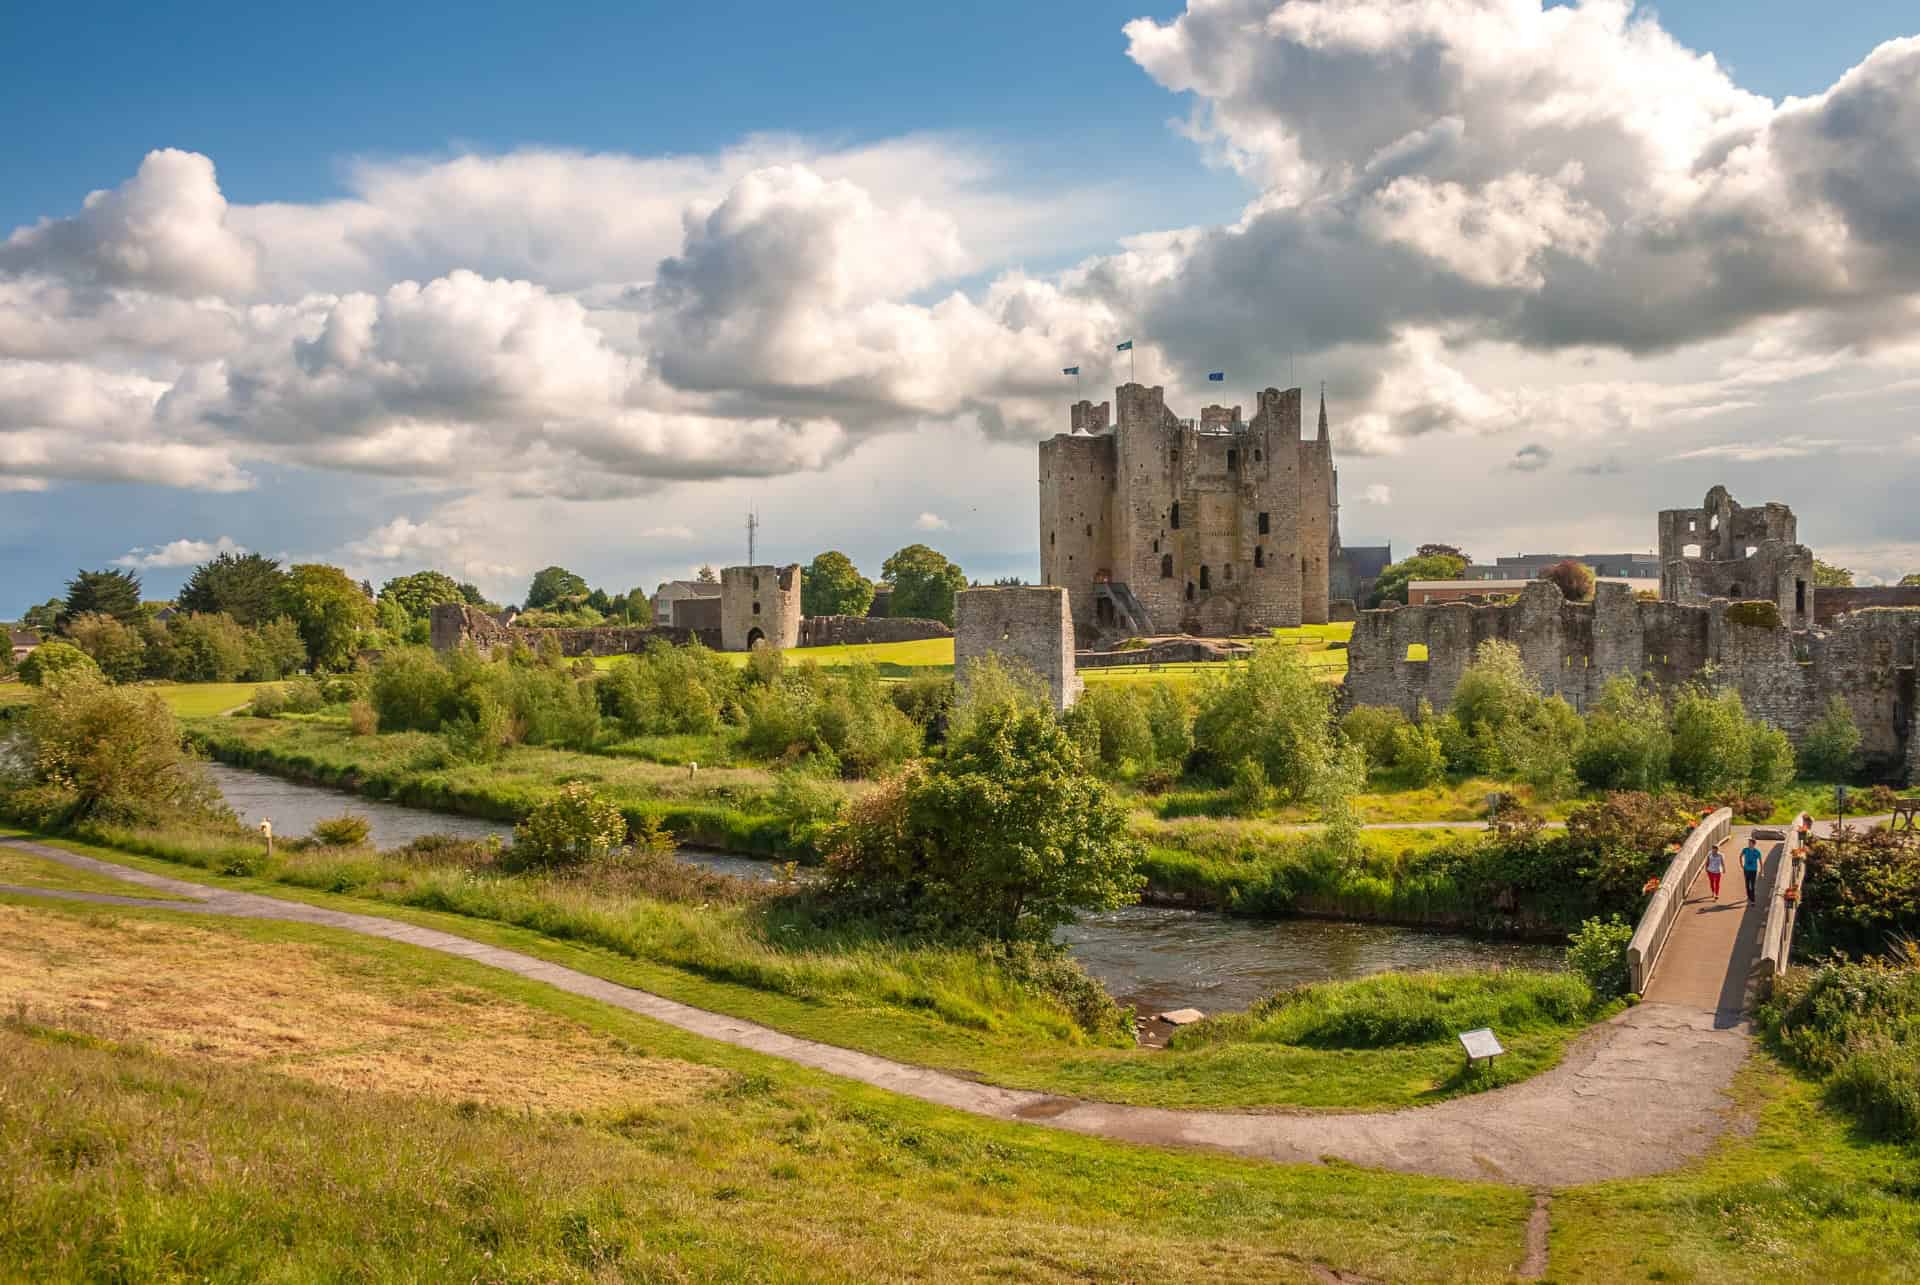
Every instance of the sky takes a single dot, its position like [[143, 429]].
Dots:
[[490, 288]]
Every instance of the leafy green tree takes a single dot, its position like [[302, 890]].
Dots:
[[924, 583], [1717, 749], [1598, 952], [1911, 579], [1443, 551], [1575, 580], [833, 586], [418, 594], [1831, 746], [598, 600], [117, 648], [275, 649], [571, 826], [1272, 710], [1392, 584], [471, 595], [53, 662], [110, 753], [1629, 743], [1005, 836], [707, 575], [553, 585], [1828, 576], [111, 593], [204, 648], [241, 585], [328, 608], [46, 616]]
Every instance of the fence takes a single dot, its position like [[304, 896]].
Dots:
[[1650, 938]]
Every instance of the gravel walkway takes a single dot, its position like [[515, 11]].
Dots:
[[1637, 1095]]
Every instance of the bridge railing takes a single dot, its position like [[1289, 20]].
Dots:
[[1656, 922], [1780, 874]]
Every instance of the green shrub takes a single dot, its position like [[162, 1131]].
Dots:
[[572, 825], [926, 700], [1628, 743], [993, 683], [1250, 790], [1419, 754], [1109, 722], [412, 691], [267, 702], [808, 806], [116, 647], [1761, 614], [204, 648], [343, 831], [362, 718], [667, 690], [94, 752], [1858, 1025], [1170, 722], [1270, 709], [1375, 729], [52, 662], [1717, 749], [1598, 953]]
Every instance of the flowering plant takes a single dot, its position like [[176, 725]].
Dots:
[[1652, 883]]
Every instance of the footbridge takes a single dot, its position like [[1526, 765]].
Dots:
[[1718, 954]]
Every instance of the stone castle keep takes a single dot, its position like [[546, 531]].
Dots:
[[1721, 550], [1214, 527]]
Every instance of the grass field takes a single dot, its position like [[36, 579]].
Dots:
[[188, 700], [222, 1100], [24, 870]]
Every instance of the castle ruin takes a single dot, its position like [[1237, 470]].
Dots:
[[1029, 625], [1215, 527], [1721, 550], [760, 604]]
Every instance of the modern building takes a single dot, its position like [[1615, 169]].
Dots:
[[1528, 566], [1421, 593], [673, 591]]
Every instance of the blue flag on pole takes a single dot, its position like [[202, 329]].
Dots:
[[1070, 370], [1216, 376], [1125, 347]]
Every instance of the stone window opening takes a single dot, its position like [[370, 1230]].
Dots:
[[1206, 580], [1265, 528], [1259, 555], [1256, 456], [1233, 460], [756, 608], [1229, 573], [1735, 590], [1156, 546], [1089, 528], [1799, 597], [1166, 566], [756, 586], [1189, 591], [1173, 516]]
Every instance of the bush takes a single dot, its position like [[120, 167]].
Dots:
[[808, 806], [1628, 745], [1598, 953], [994, 684], [1860, 893], [99, 753], [362, 718], [668, 690], [572, 825], [205, 648], [1857, 1024], [275, 649], [1170, 722], [1717, 749], [1250, 790], [1110, 724], [1376, 730], [1831, 748], [1270, 709], [343, 831], [412, 691], [1419, 754], [117, 648], [1005, 836], [926, 700], [267, 702], [54, 662]]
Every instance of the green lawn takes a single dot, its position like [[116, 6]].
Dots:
[[24, 870], [188, 700]]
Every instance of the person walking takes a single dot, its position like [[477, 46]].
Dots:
[[1750, 865], [1716, 866]]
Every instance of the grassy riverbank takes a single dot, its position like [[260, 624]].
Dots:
[[1009, 1017], [359, 1148], [235, 1095]]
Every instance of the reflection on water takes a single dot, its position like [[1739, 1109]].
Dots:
[[1149, 958], [1156, 959]]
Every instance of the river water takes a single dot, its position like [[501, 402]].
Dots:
[[1149, 958]]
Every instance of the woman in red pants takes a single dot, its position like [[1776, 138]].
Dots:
[[1716, 866]]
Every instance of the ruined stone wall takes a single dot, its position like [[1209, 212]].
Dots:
[[1833, 603], [759, 603], [1077, 488], [1783, 675], [453, 624], [1028, 624], [854, 631]]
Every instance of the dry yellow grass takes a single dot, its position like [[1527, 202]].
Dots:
[[327, 1016]]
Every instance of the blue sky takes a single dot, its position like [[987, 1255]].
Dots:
[[1074, 130]]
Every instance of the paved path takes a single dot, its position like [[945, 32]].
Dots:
[[1640, 1094]]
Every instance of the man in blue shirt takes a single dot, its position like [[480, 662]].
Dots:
[[1750, 865]]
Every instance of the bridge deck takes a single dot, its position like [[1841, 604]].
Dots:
[[1711, 951]]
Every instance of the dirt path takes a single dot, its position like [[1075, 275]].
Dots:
[[1637, 1095]]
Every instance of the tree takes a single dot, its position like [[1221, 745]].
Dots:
[[117, 648], [1575, 580], [1392, 584], [924, 583], [204, 648], [274, 650], [242, 586], [1273, 711], [707, 575], [1442, 551], [46, 616], [833, 586], [574, 825], [328, 608], [419, 593], [553, 585], [1828, 576], [1832, 744], [1006, 835], [1909, 580], [111, 753], [471, 595], [112, 593]]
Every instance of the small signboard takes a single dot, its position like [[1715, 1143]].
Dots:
[[1481, 1045]]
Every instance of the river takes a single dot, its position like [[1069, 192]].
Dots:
[[1150, 958]]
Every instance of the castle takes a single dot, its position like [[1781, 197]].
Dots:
[[1214, 527]]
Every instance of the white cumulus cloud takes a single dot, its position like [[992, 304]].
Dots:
[[179, 553]]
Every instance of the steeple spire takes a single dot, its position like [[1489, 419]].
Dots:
[[1323, 410]]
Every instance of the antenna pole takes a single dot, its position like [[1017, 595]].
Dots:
[[753, 524]]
